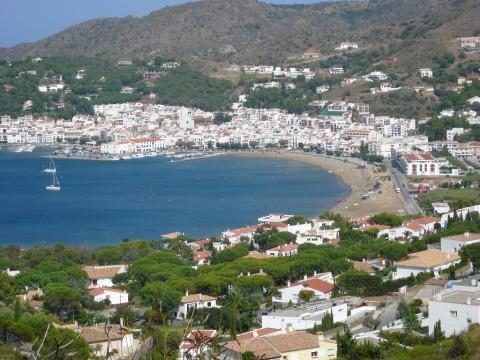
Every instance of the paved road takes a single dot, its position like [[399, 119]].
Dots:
[[400, 181]]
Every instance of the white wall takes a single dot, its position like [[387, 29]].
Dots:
[[466, 315], [405, 272], [454, 246], [301, 323], [291, 294], [115, 297]]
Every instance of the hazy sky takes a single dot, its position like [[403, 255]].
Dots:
[[30, 20]]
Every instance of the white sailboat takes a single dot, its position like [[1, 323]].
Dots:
[[51, 168], [55, 185]]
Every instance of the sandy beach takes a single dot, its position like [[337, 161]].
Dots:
[[357, 178]]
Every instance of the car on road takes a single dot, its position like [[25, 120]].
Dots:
[[397, 190]]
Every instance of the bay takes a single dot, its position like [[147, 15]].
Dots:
[[104, 202]]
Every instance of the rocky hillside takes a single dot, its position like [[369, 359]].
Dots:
[[252, 31]]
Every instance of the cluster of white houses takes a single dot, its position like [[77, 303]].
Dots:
[[340, 127]]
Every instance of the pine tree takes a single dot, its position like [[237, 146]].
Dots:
[[18, 310], [437, 331]]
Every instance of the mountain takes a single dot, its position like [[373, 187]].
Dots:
[[253, 31]]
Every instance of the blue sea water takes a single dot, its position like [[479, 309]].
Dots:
[[103, 202]]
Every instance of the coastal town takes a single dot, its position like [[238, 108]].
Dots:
[[392, 271]]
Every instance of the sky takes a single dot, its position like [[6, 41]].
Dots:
[[31, 20]]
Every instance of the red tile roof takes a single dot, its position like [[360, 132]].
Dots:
[[259, 333], [315, 284], [200, 255], [426, 220], [100, 291], [285, 248]]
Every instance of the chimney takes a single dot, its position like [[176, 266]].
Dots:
[[186, 292], [261, 271], [469, 301], [363, 260], [248, 273], [121, 322], [315, 273], [466, 234], [289, 328], [305, 277], [289, 283], [254, 333], [200, 296]]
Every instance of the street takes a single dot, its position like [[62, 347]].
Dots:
[[400, 181]]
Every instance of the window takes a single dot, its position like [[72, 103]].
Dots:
[[453, 313], [209, 304], [314, 354]]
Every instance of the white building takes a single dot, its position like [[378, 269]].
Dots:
[[235, 236], [283, 250], [453, 244], [194, 301], [421, 164], [113, 295], [305, 317], [51, 88], [441, 208], [426, 261], [470, 42], [425, 73], [120, 343], [336, 70], [274, 218], [102, 276], [321, 285], [455, 309], [346, 46], [454, 132]]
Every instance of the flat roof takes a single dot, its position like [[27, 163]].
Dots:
[[464, 237], [459, 297], [304, 309]]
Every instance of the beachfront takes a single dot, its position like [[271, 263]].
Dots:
[[358, 179]]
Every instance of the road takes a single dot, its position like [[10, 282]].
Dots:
[[400, 181]]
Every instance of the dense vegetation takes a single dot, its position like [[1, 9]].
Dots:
[[161, 271], [187, 87], [103, 82]]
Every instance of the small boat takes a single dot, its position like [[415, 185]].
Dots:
[[51, 168], [126, 157], [55, 185]]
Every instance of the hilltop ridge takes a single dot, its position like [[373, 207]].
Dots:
[[242, 31]]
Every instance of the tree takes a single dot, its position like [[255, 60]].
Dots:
[[7, 289], [388, 219], [306, 295], [221, 118], [458, 349], [437, 332], [410, 321], [160, 297], [61, 299]]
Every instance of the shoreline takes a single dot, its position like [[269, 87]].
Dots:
[[356, 178]]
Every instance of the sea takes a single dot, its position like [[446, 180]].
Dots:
[[102, 203]]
